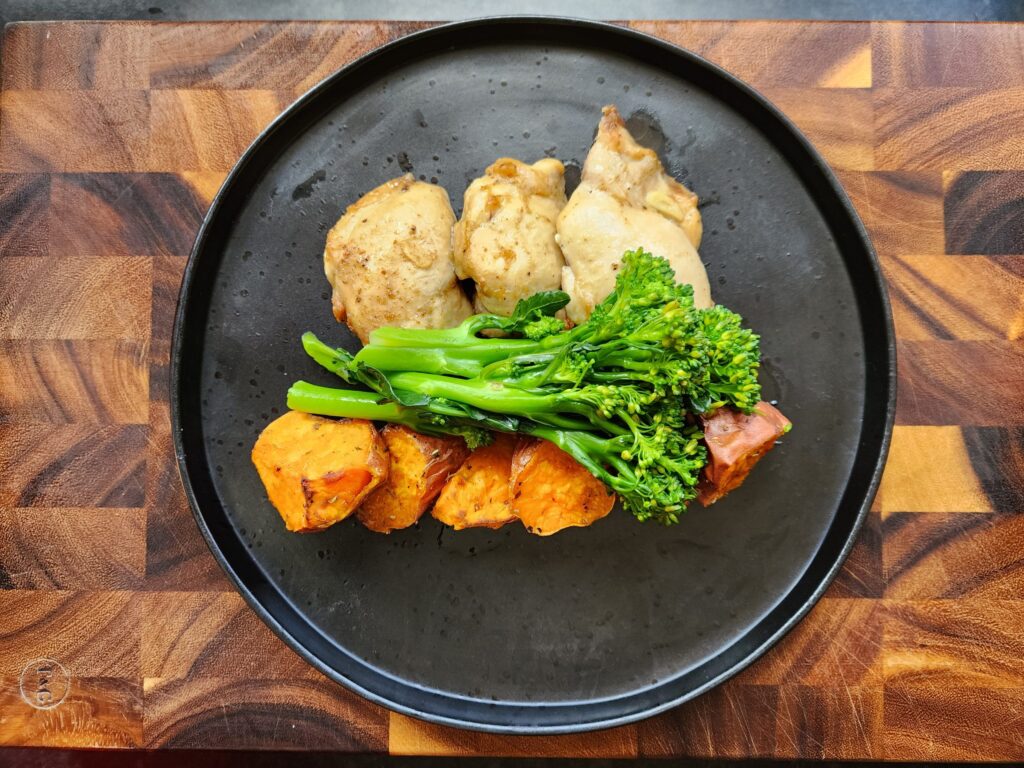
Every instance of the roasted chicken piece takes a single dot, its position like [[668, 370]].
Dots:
[[505, 240], [316, 470], [626, 200], [736, 442], [420, 467], [389, 260]]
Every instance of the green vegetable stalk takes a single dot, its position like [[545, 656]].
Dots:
[[618, 393]]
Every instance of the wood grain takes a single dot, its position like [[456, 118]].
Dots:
[[929, 722], [196, 634], [62, 381], [114, 139], [93, 634], [861, 574], [997, 456], [124, 214], [902, 210], [83, 57], [948, 128], [954, 643], [414, 737], [72, 549], [982, 212], [935, 556], [974, 383], [930, 303], [837, 120], [24, 203], [54, 298], [766, 53], [241, 56], [930, 470], [829, 722], [85, 131], [177, 557], [792, 721], [207, 130], [46, 465], [729, 721], [98, 712], [167, 273], [912, 56], [838, 643], [233, 712]]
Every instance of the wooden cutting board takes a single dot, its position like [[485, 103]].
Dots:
[[117, 627]]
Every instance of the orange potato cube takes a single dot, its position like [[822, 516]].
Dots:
[[736, 442], [477, 496], [318, 470], [420, 466], [552, 491]]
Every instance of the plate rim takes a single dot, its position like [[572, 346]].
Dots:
[[519, 711]]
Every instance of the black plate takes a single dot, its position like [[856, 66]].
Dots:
[[502, 630]]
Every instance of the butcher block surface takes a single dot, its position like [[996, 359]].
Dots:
[[117, 627]]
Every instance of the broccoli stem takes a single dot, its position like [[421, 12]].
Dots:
[[460, 335], [435, 419], [454, 362], [450, 352], [496, 396], [329, 357], [343, 403], [478, 352], [352, 404], [457, 351], [466, 361]]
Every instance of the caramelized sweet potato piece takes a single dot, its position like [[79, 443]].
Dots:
[[477, 496], [736, 442], [420, 466], [551, 491], [317, 470]]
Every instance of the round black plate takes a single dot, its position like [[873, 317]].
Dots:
[[502, 630]]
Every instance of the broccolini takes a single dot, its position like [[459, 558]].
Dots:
[[619, 393]]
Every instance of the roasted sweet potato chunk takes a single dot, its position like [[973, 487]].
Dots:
[[736, 442], [551, 491], [420, 466], [477, 496], [317, 470]]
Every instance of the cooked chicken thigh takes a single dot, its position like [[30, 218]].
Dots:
[[505, 240], [625, 200], [389, 260]]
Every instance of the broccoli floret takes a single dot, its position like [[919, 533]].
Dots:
[[644, 284], [543, 327], [655, 476], [736, 359]]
